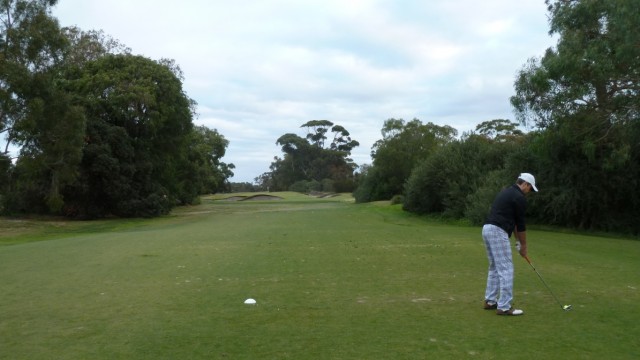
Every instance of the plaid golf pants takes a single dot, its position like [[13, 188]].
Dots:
[[500, 276]]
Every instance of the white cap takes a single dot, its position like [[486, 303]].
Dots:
[[530, 179]]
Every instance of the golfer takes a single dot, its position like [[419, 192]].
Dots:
[[507, 216]]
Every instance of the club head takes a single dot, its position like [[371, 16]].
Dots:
[[566, 307]]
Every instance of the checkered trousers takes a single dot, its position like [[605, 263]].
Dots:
[[500, 275]]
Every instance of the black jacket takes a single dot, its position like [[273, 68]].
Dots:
[[508, 210]]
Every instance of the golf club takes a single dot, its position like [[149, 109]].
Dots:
[[564, 307]]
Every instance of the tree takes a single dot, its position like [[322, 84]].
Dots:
[[52, 136], [204, 172], [312, 159], [447, 182], [499, 129], [29, 44], [402, 146], [584, 94], [101, 132], [86, 46], [139, 123], [35, 113]]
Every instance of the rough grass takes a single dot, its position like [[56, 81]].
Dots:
[[332, 280]]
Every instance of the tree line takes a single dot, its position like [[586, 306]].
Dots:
[[101, 131], [581, 99]]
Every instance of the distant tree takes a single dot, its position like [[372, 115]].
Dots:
[[499, 129], [447, 181], [312, 158], [242, 187], [206, 173], [402, 146], [317, 131]]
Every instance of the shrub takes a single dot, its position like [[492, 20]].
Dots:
[[397, 199], [306, 186], [479, 202]]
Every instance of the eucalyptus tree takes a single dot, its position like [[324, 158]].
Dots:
[[35, 113], [323, 154], [585, 94], [30, 43], [402, 147]]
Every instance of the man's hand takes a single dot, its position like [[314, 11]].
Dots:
[[523, 251], [521, 243]]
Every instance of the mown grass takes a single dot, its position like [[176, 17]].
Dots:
[[332, 280]]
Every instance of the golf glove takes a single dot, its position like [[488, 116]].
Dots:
[[518, 245]]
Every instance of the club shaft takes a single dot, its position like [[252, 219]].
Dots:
[[545, 283]]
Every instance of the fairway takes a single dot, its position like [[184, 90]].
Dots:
[[332, 280]]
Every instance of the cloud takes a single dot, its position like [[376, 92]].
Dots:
[[260, 69]]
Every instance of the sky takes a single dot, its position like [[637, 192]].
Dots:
[[261, 68]]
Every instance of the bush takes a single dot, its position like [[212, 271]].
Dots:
[[305, 186], [372, 188], [299, 186], [328, 185], [397, 199], [479, 202], [428, 185]]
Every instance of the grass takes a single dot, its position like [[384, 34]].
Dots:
[[332, 280]]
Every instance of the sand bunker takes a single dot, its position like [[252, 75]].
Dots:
[[322, 195], [258, 197]]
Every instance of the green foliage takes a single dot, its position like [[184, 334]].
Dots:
[[243, 187], [305, 187], [446, 181], [397, 199], [100, 134], [584, 98], [372, 186], [403, 145], [5, 172], [584, 94], [312, 159], [33, 110], [113, 136], [204, 171], [137, 141], [317, 131], [52, 131], [479, 201], [499, 129], [30, 44], [328, 185]]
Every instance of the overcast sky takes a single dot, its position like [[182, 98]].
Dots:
[[261, 68]]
